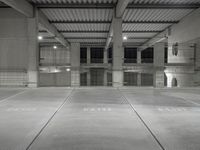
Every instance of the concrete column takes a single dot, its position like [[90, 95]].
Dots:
[[33, 51], [88, 78], [105, 57], [105, 78], [159, 52], [197, 54], [139, 79], [197, 63], [88, 55], [139, 59], [117, 53], [75, 64]]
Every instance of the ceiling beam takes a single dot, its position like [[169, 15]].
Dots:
[[119, 11], [71, 38], [52, 29], [162, 36], [111, 6], [163, 6], [81, 22], [104, 31], [75, 6], [27, 9], [79, 38], [108, 22], [150, 22], [120, 8], [21, 6]]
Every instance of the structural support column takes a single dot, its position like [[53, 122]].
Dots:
[[105, 57], [88, 55], [33, 51], [139, 73], [117, 53], [88, 78], [75, 64], [159, 52], [105, 78]]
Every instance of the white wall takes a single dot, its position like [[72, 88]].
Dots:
[[187, 29], [55, 79], [185, 33]]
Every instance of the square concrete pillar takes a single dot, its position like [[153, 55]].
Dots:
[[75, 64], [159, 56], [88, 78], [118, 77], [139, 79], [105, 56], [88, 55], [33, 51], [197, 54], [117, 53], [139, 59], [105, 78]]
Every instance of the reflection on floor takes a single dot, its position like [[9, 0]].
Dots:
[[99, 119]]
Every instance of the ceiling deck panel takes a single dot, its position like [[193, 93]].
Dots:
[[85, 35], [158, 15], [147, 35], [82, 27], [145, 27], [78, 14], [165, 1], [87, 40], [73, 1]]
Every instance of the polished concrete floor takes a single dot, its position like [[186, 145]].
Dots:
[[99, 119]]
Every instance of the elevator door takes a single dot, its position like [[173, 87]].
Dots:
[[97, 77]]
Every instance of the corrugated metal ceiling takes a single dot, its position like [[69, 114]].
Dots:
[[135, 40], [148, 35], [155, 14], [131, 15], [87, 40], [85, 35], [145, 27], [71, 1], [165, 1], [79, 14], [82, 27], [114, 1]]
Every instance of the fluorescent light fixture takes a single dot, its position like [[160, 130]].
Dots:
[[68, 69], [160, 40], [40, 38], [56, 70], [55, 47], [125, 38]]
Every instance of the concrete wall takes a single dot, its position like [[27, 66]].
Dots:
[[186, 33], [55, 79], [51, 56], [13, 48], [187, 29], [13, 39], [183, 79], [185, 53]]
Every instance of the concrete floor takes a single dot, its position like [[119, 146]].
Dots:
[[99, 119]]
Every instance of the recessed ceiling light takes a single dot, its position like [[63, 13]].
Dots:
[[55, 47], [125, 38], [40, 37], [68, 69]]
